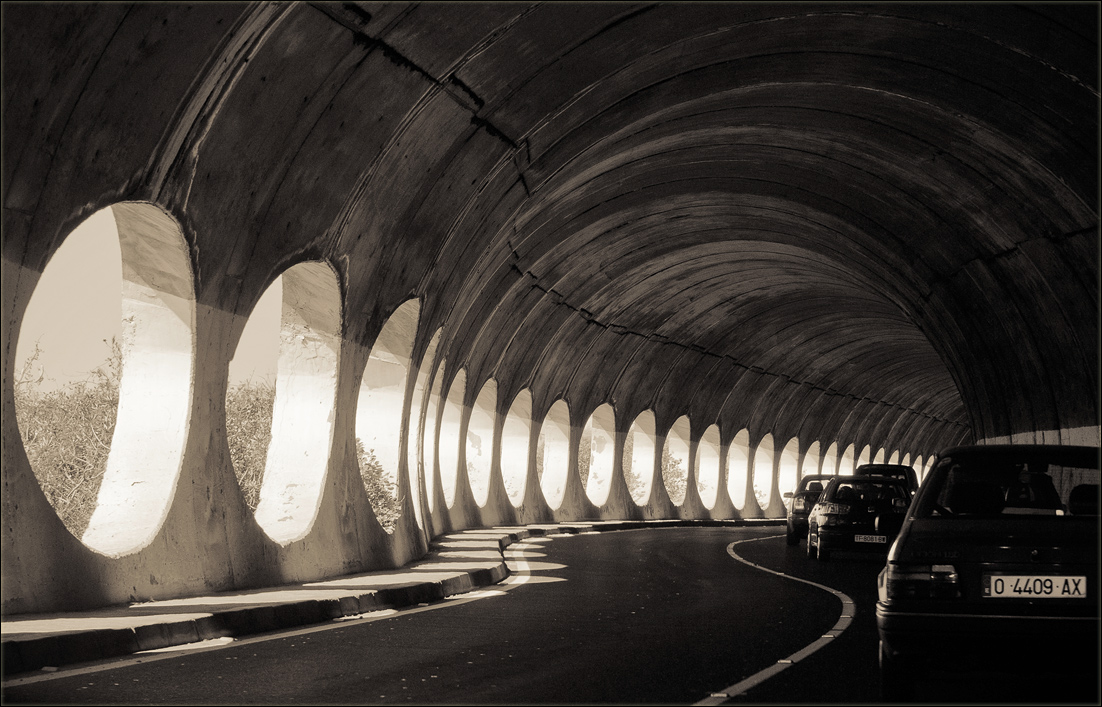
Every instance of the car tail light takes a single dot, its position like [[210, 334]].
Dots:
[[834, 514], [903, 581], [799, 504]]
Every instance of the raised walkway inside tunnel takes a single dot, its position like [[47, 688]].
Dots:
[[457, 563]]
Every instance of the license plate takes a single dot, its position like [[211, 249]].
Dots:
[[870, 538], [1032, 586]]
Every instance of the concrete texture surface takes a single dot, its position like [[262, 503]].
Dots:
[[827, 229]]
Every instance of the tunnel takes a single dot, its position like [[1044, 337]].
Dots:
[[539, 262]]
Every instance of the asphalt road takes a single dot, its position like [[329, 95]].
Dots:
[[670, 616]]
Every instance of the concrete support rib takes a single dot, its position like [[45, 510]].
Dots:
[[751, 228]]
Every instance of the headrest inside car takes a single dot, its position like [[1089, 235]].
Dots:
[[1083, 500]]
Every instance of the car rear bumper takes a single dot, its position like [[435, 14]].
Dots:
[[969, 639], [832, 539]]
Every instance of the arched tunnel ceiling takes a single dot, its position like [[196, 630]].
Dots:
[[873, 218], [788, 187]]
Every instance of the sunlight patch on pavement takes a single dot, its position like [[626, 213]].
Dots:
[[535, 579], [485, 544], [471, 554], [87, 623], [380, 581], [458, 567], [538, 566], [483, 593], [197, 645]]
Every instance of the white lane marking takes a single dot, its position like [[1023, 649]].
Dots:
[[844, 620], [516, 578]]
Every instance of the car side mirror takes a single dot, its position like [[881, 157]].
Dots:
[[900, 503], [787, 494]]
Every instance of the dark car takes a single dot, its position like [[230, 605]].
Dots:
[[995, 568], [904, 473], [803, 498], [859, 513]]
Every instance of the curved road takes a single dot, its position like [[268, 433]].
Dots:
[[681, 615]]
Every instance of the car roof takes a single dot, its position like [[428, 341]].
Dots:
[[882, 467], [866, 478], [1067, 453]]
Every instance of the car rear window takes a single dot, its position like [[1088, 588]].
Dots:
[[1034, 487], [811, 485], [904, 473], [867, 492]]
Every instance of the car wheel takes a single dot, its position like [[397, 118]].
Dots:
[[791, 537], [823, 553], [896, 677], [812, 550]]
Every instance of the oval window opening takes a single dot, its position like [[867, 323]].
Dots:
[[638, 459], [738, 465], [830, 461], [250, 394], [449, 437], [106, 443], [516, 443], [480, 442], [379, 413], [305, 402], [707, 467], [416, 443], [675, 460], [431, 444], [553, 453], [595, 454], [68, 367], [788, 470], [846, 465], [763, 471], [811, 460]]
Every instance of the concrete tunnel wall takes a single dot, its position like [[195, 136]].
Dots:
[[556, 232]]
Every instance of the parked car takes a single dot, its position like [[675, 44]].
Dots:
[[803, 497], [904, 473], [859, 513], [995, 568]]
